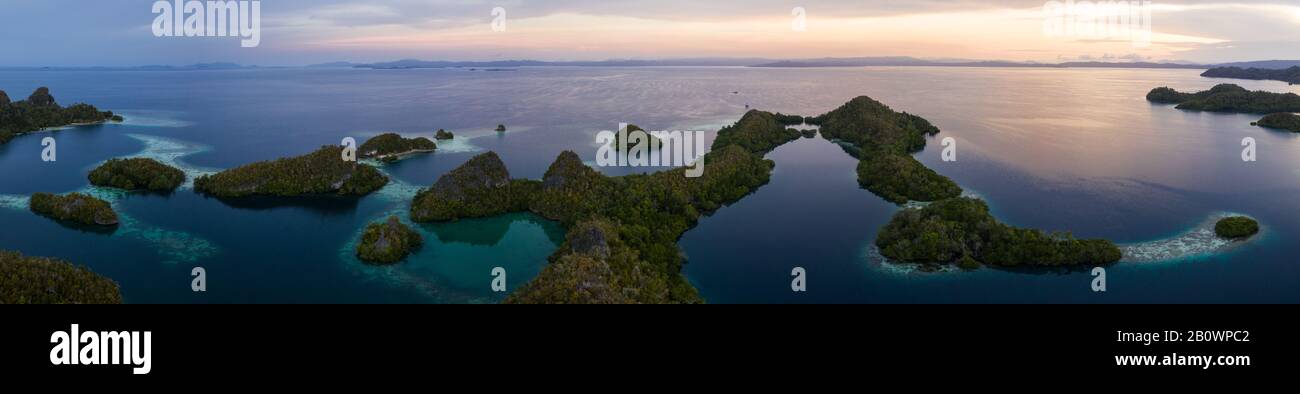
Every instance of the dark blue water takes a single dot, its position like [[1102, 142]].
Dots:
[[1076, 150]]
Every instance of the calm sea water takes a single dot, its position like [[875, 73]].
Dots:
[[1074, 149]]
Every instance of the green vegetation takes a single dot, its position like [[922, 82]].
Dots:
[[137, 174], [757, 131], [38, 280], [1281, 120], [1228, 98], [788, 120], [623, 231], [951, 229], [443, 135], [869, 124], [962, 230], [40, 111], [321, 172], [1236, 227], [595, 266], [899, 178], [885, 140], [501, 128], [391, 144], [1288, 75], [481, 187], [75, 208], [388, 243], [808, 133]]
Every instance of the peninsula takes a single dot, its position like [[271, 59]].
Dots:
[[1289, 75], [1227, 98], [1282, 121], [39, 112]]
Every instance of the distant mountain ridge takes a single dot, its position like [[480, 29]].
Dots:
[[1289, 75], [880, 61]]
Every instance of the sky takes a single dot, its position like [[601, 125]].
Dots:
[[301, 32]]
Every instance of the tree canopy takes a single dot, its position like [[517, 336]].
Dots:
[[318, 173]]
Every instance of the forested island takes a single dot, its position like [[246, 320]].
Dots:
[[74, 208], [1228, 98], [951, 229], [443, 135], [885, 141], [1289, 75], [137, 174], [38, 280], [391, 146], [1236, 227], [322, 172], [637, 218], [388, 242], [961, 230], [1282, 120], [39, 111], [622, 231], [594, 266]]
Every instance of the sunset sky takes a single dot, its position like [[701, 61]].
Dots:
[[296, 32]]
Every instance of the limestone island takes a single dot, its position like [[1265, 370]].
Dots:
[[390, 147], [388, 243], [622, 232], [1282, 121], [1288, 75], [885, 141], [594, 266], [961, 231], [38, 280], [323, 172], [40, 112], [74, 208], [1228, 98], [443, 135], [1236, 227], [654, 142], [637, 218], [501, 128], [481, 187], [141, 174]]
